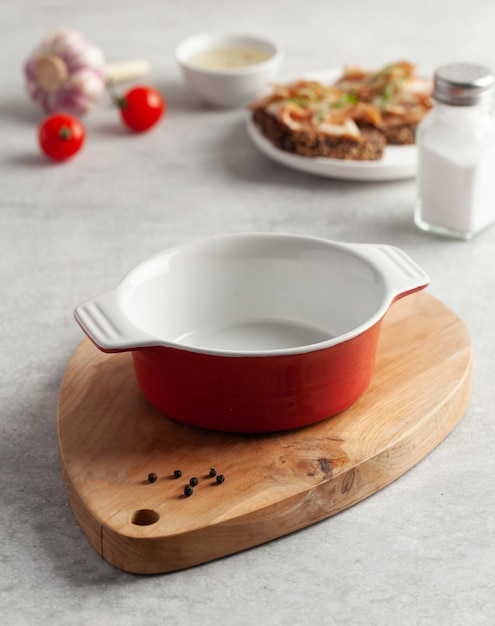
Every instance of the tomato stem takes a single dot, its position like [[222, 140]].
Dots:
[[119, 101], [65, 133]]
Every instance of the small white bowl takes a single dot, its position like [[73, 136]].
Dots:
[[232, 85]]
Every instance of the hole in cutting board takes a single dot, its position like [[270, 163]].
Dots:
[[145, 517]]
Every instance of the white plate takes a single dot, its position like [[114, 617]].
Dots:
[[397, 161]]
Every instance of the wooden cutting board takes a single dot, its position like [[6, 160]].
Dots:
[[110, 439]]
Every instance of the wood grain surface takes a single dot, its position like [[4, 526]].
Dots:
[[110, 439]]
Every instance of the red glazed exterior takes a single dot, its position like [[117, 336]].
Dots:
[[256, 393]]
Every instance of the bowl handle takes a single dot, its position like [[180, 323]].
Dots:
[[104, 321], [402, 275]]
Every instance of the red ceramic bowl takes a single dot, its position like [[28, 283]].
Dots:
[[253, 332]]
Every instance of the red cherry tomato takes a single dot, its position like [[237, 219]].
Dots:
[[61, 136], [141, 108]]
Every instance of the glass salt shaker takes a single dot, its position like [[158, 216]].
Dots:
[[456, 145]]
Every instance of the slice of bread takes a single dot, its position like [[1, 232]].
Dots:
[[367, 146], [399, 95]]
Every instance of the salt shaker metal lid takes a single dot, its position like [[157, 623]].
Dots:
[[463, 84]]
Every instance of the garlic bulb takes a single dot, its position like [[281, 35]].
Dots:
[[66, 72]]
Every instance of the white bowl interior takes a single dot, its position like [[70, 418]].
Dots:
[[253, 294], [201, 43]]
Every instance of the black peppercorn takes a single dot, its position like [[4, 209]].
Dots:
[[220, 479], [177, 473], [188, 490], [213, 472], [152, 477], [193, 481]]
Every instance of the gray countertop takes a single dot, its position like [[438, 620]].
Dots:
[[419, 552]]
